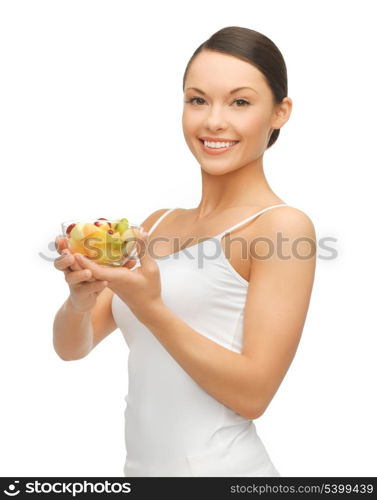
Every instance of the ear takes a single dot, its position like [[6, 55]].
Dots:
[[282, 113]]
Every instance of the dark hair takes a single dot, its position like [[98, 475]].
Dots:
[[255, 48]]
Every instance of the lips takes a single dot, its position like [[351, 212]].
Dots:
[[217, 151], [216, 139]]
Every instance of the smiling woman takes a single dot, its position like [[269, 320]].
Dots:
[[263, 62], [211, 332], [207, 363], [253, 112]]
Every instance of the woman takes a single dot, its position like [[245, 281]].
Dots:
[[214, 309]]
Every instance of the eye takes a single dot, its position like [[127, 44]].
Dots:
[[193, 99], [241, 102], [245, 103]]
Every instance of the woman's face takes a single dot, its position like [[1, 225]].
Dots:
[[214, 110]]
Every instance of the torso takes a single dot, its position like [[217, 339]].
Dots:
[[181, 231], [200, 435]]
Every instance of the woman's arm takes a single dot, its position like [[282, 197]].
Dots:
[[275, 311], [72, 332]]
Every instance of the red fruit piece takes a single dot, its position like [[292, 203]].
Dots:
[[69, 228], [110, 231], [102, 218]]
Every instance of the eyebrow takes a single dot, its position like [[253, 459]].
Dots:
[[231, 92]]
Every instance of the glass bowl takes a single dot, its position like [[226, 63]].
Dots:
[[108, 242]]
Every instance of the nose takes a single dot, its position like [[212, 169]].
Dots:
[[215, 118]]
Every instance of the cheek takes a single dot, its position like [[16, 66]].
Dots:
[[253, 125], [189, 120], [190, 125]]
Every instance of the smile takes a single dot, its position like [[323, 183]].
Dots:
[[217, 147]]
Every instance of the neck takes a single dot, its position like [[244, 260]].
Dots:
[[246, 186]]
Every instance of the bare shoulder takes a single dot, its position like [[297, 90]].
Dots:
[[280, 234], [288, 221], [152, 218], [287, 217]]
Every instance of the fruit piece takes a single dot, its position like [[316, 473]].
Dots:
[[69, 229], [77, 233], [103, 225], [116, 244], [110, 231], [122, 225], [103, 245], [89, 228], [97, 237], [95, 245], [113, 247], [75, 246], [128, 233], [129, 240]]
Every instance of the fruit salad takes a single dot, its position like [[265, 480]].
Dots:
[[107, 242]]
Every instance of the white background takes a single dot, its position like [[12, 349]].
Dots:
[[90, 126]]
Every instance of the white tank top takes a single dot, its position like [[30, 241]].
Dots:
[[173, 427]]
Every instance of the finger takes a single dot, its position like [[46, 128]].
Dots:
[[78, 276], [63, 261], [99, 272], [95, 287], [76, 265], [146, 260], [66, 262], [60, 243]]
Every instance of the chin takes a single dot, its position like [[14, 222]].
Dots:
[[217, 169]]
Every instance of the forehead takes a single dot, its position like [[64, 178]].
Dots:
[[213, 70]]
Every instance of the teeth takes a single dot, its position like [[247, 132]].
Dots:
[[219, 144]]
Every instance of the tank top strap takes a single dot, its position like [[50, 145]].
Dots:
[[249, 219], [159, 220]]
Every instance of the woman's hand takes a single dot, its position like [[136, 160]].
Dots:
[[82, 287], [140, 288]]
